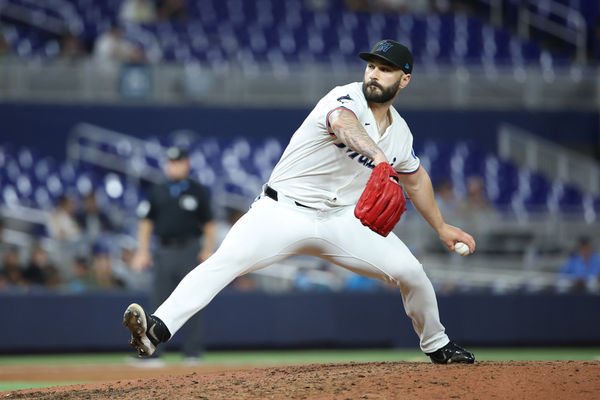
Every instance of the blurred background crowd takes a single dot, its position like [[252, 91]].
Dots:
[[70, 194]]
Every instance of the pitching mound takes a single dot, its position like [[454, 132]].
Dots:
[[385, 380]]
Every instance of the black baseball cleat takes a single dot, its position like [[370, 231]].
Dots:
[[147, 331], [451, 353]]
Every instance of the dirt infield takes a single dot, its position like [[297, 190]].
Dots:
[[384, 380]]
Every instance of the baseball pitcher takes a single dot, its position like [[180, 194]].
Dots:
[[337, 188]]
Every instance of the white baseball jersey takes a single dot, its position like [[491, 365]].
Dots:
[[318, 170]]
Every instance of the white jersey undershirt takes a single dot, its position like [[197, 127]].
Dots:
[[318, 170]]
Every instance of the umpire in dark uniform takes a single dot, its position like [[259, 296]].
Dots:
[[178, 211]]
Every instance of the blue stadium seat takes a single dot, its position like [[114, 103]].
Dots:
[[571, 199], [537, 201]]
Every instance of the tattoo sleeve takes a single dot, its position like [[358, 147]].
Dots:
[[348, 129]]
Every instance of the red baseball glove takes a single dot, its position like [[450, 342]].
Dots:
[[382, 203]]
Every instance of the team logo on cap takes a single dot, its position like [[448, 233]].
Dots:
[[385, 46], [406, 66]]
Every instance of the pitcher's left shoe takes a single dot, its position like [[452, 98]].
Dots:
[[147, 331]]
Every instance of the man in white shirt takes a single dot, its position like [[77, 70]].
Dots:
[[111, 49], [307, 208]]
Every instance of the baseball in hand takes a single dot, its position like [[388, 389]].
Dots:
[[461, 249]]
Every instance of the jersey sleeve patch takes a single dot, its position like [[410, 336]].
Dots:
[[345, 99]]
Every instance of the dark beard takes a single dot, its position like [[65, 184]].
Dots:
[[385, 95]]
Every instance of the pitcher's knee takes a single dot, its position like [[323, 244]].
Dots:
[[411, 274]]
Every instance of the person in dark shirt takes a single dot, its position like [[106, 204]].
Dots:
[[92, 221], [40, 270], [10, 269], [178, 211]]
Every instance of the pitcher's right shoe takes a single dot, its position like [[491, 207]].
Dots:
[[451, 353], [147, 331]]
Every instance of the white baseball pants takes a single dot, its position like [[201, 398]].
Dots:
[[273, 230]]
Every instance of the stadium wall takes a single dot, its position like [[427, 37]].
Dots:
[[46, 126], [46, 322]]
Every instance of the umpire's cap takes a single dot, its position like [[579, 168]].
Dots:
[[176, 153], [391, 52]]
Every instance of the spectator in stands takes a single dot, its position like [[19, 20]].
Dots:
[[112, 49], [70, 47], [40, 270], [582, 270], [440, 6], [403, 6], [174, 10], [134, 280], [81, 280], [464, 6], [357, 5], [137, 11], [103, 276], [4, 46], [476, 210], [446, 200], [63, 225], [3, 245], [11, 269], [91, 220]]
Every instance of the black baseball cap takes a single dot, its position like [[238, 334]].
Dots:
[[176, 153], [393, 53]]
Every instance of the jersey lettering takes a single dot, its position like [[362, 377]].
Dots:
[[353, 153], [366, 161], [363, 160]]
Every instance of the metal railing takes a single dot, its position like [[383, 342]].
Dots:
[[554, 161], [489, 87], [95, 138], [573, 31], [34, 15]]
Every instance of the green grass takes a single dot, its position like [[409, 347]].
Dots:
[[17, 385], [267, 357]]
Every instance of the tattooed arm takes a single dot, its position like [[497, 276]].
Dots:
[[348, 129]]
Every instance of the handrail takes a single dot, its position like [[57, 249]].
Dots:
[[23, 14], [576, 36], [98, 135], [551, 159]]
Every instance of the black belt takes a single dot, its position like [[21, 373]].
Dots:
[[272, 193]]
